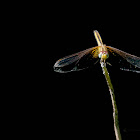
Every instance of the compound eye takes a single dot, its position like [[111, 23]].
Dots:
[[107, 55], [100, 55]]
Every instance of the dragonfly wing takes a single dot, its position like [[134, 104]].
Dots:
[[77, 61], [124, 60]]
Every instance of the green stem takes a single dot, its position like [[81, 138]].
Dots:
[[115, 111]]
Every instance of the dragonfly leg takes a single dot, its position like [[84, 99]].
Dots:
[[103, 62]]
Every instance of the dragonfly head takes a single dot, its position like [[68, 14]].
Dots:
[[103, 55]]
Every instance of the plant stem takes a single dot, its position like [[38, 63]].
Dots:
[[115, 111]]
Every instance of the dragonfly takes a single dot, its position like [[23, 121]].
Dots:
[[101, 53]]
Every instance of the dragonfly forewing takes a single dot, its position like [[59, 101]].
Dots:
[[77, 61], [124, 60]]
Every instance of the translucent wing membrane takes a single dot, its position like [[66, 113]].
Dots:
[[123, 60], [77, 61]]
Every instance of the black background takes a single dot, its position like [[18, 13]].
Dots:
[[76, 104], [79, 103]]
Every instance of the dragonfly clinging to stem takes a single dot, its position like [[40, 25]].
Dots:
[[88, 57]]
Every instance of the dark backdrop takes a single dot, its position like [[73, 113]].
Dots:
[[76, 104], [79, 102]]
